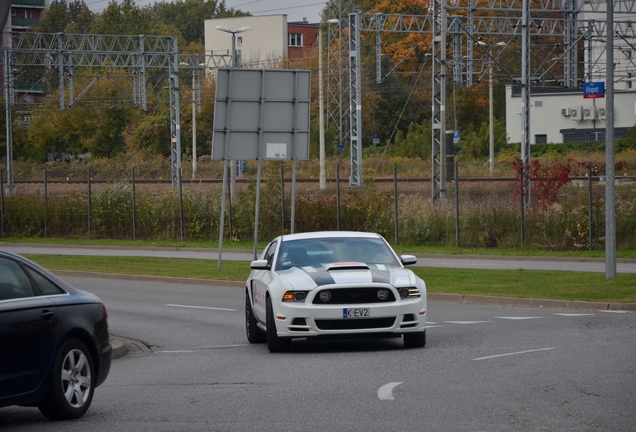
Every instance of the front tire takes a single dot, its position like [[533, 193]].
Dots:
[[253, 333], [415, 340], [274, 343], [72, 384]]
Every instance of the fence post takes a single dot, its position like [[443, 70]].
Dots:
[[456, 204], [282, 194], [521, 199], [395, 200], [181, 206], [2, 202], [229, 194], [589, 207], [89, 202], [46, 205], [338, 196], [134, 206]]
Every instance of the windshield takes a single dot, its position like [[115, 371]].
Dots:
[[317, 252]]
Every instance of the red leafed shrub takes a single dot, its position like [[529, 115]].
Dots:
[[545, 181]]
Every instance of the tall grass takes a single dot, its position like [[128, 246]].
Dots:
[[489, 215]]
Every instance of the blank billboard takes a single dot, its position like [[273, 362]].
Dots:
[[261, 113]]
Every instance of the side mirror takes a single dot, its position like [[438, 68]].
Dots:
[[408, 259], [260, 265]]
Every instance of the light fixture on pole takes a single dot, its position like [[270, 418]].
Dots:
[[490, 105], [321, 108], [235, 64]]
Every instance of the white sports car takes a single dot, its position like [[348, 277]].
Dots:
[[333, 285]]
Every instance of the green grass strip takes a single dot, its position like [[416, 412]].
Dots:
[[556, 285], [420, 249]]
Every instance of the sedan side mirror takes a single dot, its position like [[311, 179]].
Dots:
[[260, 265], [408, 259]]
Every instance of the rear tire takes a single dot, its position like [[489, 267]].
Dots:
[[274, 343], [253, 333], [415, 340], [72, 383]]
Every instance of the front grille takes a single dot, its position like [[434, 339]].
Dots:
[[354, 324], [349, 296]]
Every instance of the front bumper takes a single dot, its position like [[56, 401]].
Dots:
[[309, 320]]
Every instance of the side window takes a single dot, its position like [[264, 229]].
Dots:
[[14, 283], [46, 286], [269, 254]]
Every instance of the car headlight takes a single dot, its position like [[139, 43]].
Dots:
[[295, 296]]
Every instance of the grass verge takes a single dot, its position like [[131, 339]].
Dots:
[[572, 286]]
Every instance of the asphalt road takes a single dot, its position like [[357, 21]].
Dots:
[[485, 368], [447, 261]]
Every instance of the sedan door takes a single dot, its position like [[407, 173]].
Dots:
[[28, 332]]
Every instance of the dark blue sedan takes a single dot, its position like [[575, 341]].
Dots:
[[54, 342]]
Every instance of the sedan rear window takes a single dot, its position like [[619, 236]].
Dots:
[[14, 283]]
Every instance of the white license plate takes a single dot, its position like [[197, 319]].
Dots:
[[356, 312]]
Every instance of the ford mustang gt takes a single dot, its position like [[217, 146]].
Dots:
[[333, 285]]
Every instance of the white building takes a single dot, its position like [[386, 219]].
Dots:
[[560, 115], [264, 46]]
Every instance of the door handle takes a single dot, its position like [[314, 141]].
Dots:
[[47, 315]]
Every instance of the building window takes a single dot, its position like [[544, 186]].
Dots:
[[295, 39], [14, 12], [28, 13], [540, 139], [538, 104], [239, 40]]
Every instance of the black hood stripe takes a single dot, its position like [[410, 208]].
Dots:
[[323, 277]]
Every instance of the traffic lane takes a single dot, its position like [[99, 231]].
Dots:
[[230, 254], [170, 316], [329, 385]]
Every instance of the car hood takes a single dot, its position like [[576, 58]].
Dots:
[[346, 273]]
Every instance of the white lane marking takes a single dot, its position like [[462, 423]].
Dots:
[[180, 351], [574, 314], [613, 311], [519, 318], [514, 353], [466, 322], [432, 326], [201, 307], [386, 391]]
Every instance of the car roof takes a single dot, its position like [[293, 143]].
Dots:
[[328, 234]]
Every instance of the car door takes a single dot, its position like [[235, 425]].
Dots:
[[260, 282], [28, 331]]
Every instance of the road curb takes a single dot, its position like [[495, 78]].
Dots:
[[512, 301], [119, 347]]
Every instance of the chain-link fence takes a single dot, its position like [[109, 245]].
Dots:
[[475, 211]]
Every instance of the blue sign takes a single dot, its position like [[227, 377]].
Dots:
[[592, 90], [455, 136]]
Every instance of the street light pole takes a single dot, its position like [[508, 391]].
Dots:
[[491, 125], [235, 64], [321, 108], [491, 130]]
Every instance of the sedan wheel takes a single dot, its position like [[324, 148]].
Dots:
[[72, 385], [274, 343], [415, 340], [254, 334]]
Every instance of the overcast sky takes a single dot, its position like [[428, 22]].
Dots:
[[295, 10]]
